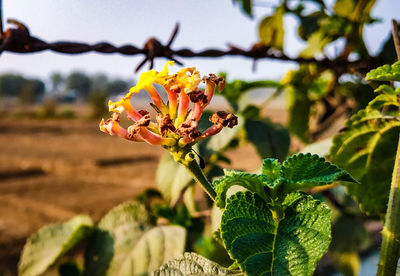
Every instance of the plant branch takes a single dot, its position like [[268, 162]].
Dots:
[[198, 175], [396, 40], [390, 250]]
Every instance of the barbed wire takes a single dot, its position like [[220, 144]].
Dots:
[[18, 39]]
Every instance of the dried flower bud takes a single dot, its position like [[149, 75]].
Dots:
[[224, 118], [144, 121], [133, 131], [189, 130], [219, 81], [165, 123], [197, 95], [143, 112]]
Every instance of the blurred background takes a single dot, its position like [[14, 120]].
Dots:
[[54, 161]]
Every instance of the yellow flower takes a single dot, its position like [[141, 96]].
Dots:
[[186, 79], [117, 106]]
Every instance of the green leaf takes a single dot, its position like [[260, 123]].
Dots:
[[299, 108], [50, 243], [270, 140], [386, 89], [367, 148], [246, 7], [271, 31], [383, 100], [172, 178], [191, 264], [305, 170], [315, 44], [309, 24], [99, 253], [305, 87], [119, 230], [263, 245], [385, 73], [156, 247], [345, 8], [251, 182], [271, 169], [360, 92]]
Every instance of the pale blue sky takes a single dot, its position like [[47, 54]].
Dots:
[[204, 24]]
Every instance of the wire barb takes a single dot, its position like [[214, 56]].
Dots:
[[1, 19]]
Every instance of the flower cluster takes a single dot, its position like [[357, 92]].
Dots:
[[175, 125]]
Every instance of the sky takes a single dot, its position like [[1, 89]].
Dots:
[[203, 24]]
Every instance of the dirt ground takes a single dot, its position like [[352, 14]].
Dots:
[[53, 170]]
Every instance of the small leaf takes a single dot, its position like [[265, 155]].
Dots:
[[119, 230], [50, 243], [156, 247], [246, 7], [263, 245], [271, 31], [192, 264], [306, 170], [304, 88], [309, 24], [386, 89], [385, 73], [172, 178], [251, 182], [345, 8], [315, 44], [271, 169], [299, 108], [383, 100], [270, 140]]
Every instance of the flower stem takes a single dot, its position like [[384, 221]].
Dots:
[[198, 175], [390, 250]]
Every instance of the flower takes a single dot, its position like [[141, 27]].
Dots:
[[175, 126]]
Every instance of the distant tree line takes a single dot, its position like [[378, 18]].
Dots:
[[77, 86], [27, 90]]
